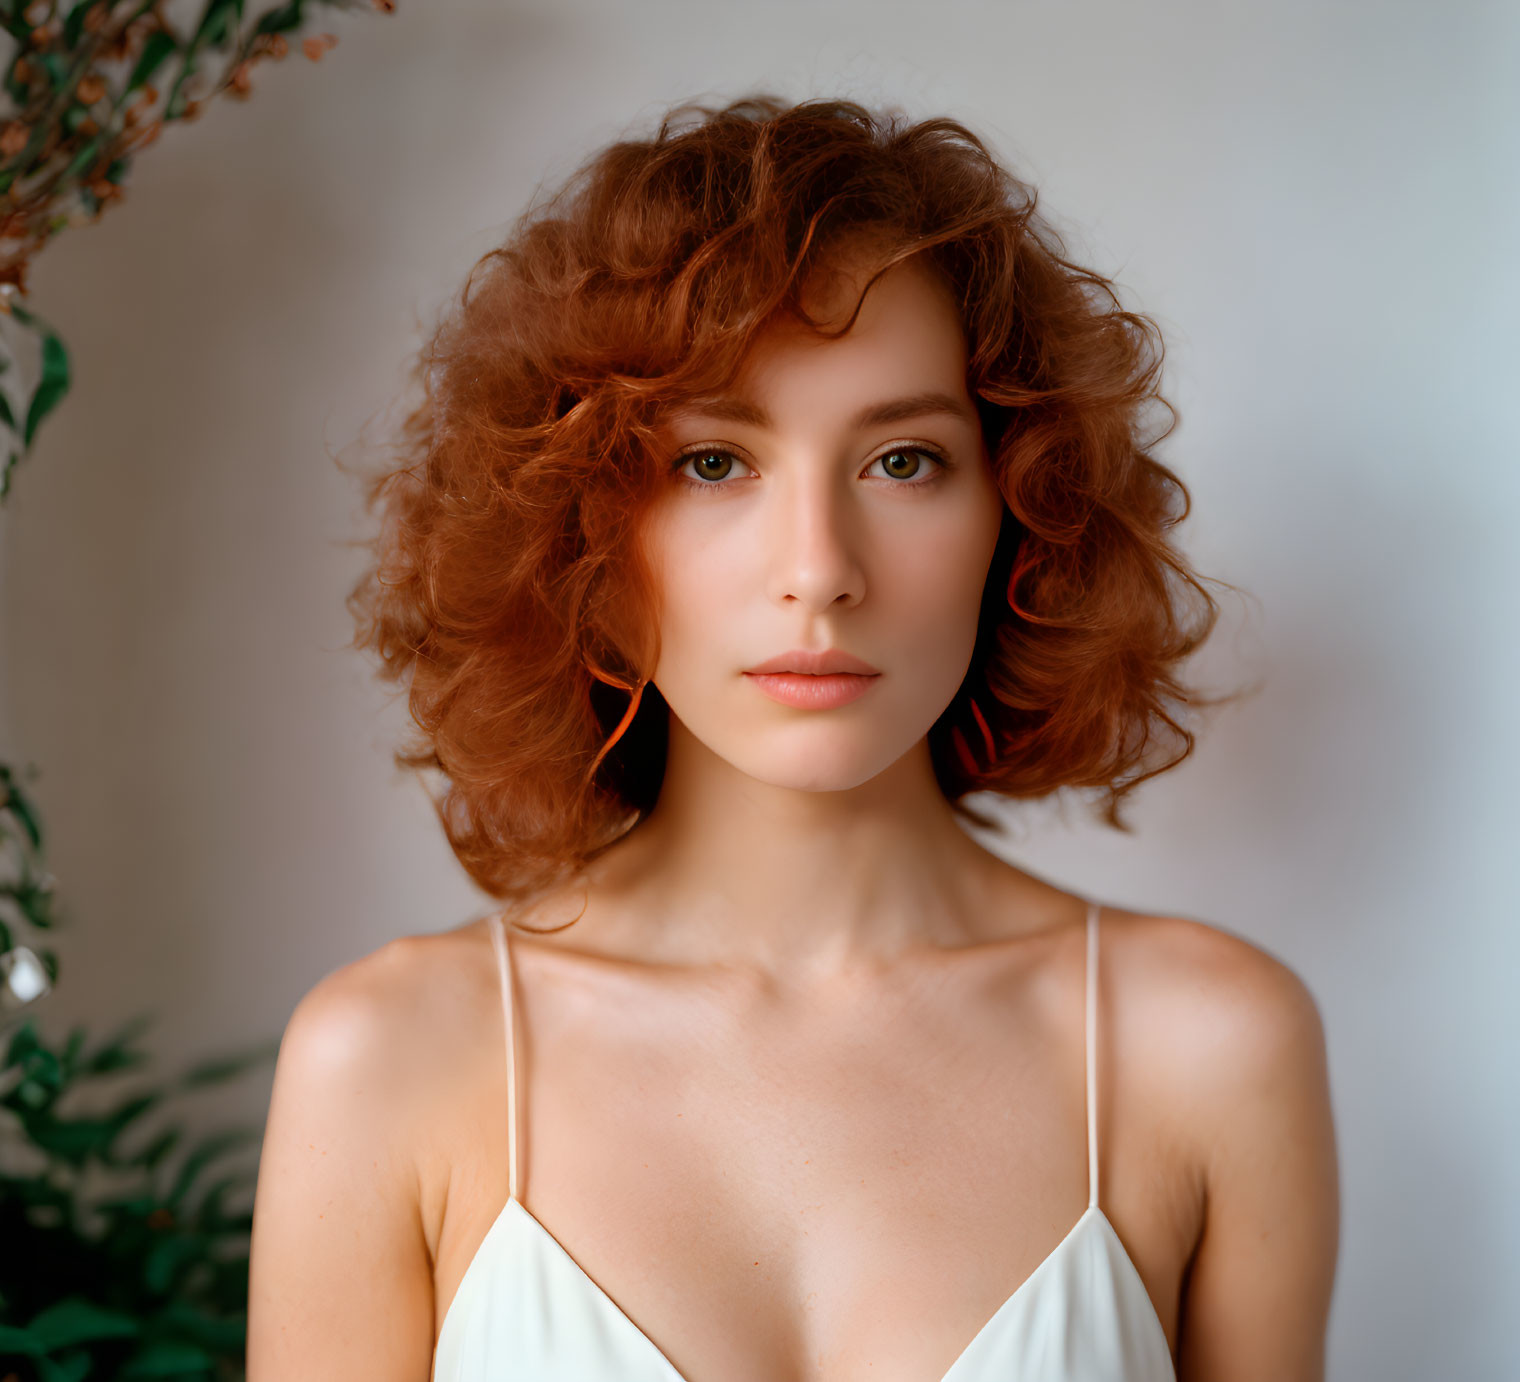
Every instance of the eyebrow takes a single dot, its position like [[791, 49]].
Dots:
[[873, 415]]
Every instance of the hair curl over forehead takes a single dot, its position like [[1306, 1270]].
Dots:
[[508, 592]]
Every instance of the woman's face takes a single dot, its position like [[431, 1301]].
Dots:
[[837, 498]]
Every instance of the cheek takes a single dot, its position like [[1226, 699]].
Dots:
[[932, 587], [704, 575]]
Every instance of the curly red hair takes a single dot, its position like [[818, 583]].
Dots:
[[508, 589]]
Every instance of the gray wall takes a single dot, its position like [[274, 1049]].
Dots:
[[1317, 201]]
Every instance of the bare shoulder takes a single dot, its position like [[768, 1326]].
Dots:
[[340, 1267], [408, 1014], [1241, 1042], [1228, 1005]]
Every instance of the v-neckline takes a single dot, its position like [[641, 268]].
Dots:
[[1092, 1212]]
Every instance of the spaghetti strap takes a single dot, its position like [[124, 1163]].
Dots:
[[504, 971], [1091, 1007]]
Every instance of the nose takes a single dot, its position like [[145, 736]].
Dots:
[[814, 542]]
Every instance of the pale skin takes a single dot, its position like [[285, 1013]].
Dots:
[[802, 1090]]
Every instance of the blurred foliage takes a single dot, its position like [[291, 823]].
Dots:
[[145, 1276], [115, 1263], [86, 86], [26, 887]]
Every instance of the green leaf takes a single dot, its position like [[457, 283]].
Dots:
[[35, 898], [125, 1114], [71, 1140], [73, 26], [170, 1358], [56, 69], [155, 50], [129, 1206], [75, 1320], [223, 1068], [156, 1150], [72, 1367], [175, 105], [87, 154], [71, 1051], [168, 1257], [43, 1068], [53, 386], [24, 1040], [6, 416], [115, 1052], [206, 1151], [210, 1215], [224, 1333], [282, 20], [13, 1340], [213, 25]]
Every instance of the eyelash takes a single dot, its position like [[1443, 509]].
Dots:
[[941, 465]]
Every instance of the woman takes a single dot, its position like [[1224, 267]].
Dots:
[[778, 484]]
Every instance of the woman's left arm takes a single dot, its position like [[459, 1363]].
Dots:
[[1256, 1302]]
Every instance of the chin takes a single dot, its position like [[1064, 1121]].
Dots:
[[834, 752], [814, 781], [817, 765]]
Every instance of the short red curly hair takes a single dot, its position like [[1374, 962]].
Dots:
[[508, 590]]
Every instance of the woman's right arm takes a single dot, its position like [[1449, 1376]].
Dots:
[[340, 1277]]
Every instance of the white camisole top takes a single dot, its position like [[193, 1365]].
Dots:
[[525, 1311]]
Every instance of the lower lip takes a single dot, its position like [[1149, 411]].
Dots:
[[812, 693]]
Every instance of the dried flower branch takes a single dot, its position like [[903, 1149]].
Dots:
[[87, 89]]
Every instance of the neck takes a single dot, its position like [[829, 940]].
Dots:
[[730, 870]]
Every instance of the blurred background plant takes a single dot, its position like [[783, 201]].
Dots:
[[115, 1262], [88, 85]]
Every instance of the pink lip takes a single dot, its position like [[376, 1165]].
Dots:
[[812, 692], [816, 664], [813, 681]]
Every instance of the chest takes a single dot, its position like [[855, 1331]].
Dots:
[[767, 1191]]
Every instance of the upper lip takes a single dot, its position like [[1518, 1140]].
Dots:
[[816, 664]]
